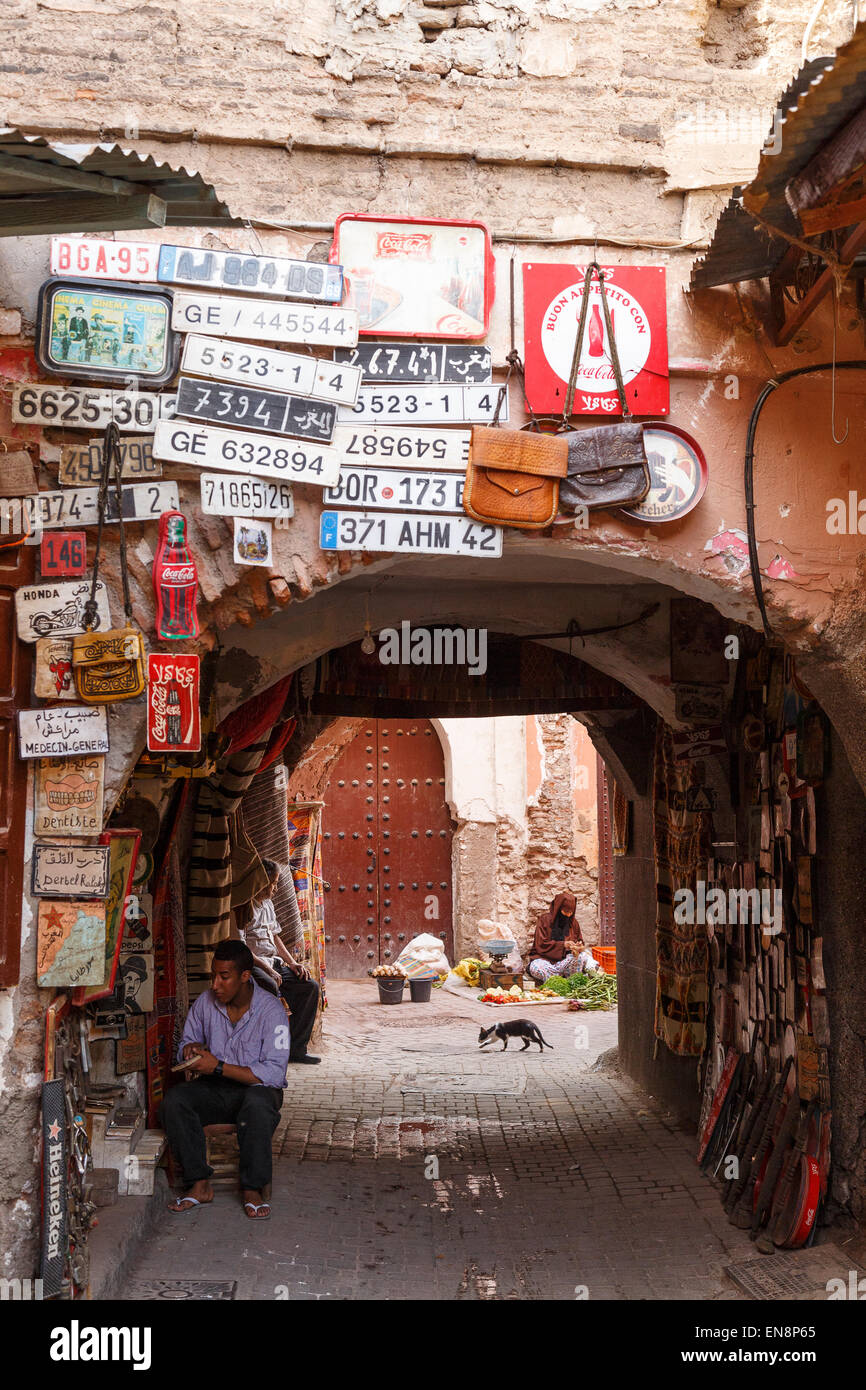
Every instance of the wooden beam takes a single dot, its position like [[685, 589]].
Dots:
[[833, 164], [821, 288], [37, 216], [64, 176], [829, 216]]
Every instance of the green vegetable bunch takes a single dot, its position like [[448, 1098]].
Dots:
[[596, 991]]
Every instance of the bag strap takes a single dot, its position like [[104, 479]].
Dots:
[[578, 346], [515, 364], [110, 451]]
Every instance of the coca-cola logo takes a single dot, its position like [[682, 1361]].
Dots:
[[631, 328], [413, 245], [178, 574]]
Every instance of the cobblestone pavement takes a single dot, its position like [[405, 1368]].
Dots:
[[409, 1165]]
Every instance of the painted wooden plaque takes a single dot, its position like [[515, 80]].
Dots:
[[124, 851], [68, 796], [53, 668], [69, 871], [173, 720], [70, 946], [57, 609], [62, 731]]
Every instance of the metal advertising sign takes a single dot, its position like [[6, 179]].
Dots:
[[268, 367], [237, 451], [416, 279], [99, 259], [234, 270], [678, 474], [70, 871], [552, 297], [392, 489], [439, 535], [105, 332], [253, 542], [425, 405], [255, 409], [54, 1196], [141, 502], [224, 495], [82, 463], [63, 555], [74, 407], [264, 320], [699, 743], [173, 721], [410, 448], [68, 796], [420, 362], [57, 610], [70, 943], [62, 731], [53, 668]]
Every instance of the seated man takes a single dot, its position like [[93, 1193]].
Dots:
[[236, 1040], [259, 929]]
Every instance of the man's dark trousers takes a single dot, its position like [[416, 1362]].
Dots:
[[213, 1100], [302, 997]]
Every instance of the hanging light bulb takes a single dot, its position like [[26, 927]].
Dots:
[[368, 646]]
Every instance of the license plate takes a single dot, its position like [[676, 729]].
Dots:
[[225, 495], [231, 270], [410, 448], [75, 407], [98, 259], [388, 487], [424, 405], [141, 502], [419, 362], [438, 535], [258, 410], [264, 320], [284, 371], [82, 463], [235, 451]]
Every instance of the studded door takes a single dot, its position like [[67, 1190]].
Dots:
[[386, 846]]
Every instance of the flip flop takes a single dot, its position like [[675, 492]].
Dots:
[[178, 1209], [252, 1211]]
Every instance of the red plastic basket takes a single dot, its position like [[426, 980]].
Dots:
[[606, 957]]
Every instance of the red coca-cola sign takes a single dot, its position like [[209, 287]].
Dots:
[[552, 301], [173, 718], [175, 580]]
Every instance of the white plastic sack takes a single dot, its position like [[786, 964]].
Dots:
[[488, 930], [423, 955]]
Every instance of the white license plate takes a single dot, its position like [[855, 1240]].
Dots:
[[59, 610], [80, 505], [396, 491], [425, 405], [377, 444], [81, 464], [77, 408], [236, 451], [261, 366], [226, 494], [234, 270], [98, 259], [264, 320], [439, 535]]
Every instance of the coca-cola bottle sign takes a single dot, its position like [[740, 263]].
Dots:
[[175, 580]]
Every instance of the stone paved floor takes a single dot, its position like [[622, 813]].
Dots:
[[411, 1166]]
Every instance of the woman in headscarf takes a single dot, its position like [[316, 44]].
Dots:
[[558, 942]]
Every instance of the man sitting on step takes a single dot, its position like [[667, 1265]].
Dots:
[[236, 1042]]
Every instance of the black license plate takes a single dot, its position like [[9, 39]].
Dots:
[[272, 411]]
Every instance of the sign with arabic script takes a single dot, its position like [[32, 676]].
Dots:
[[173, 722], [70, 871], [62, 731]]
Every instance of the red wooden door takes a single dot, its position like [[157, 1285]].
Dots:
[[16, 568], [606, 895], [386, 846]]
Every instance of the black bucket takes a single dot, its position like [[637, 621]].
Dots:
[[391, 989], [419, 991]]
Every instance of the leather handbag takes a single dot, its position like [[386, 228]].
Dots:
[[109, 666], [607, 464], [513, 478]]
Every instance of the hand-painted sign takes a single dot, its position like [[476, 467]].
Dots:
[[82, 463], [238, 451], [123, 845], [173, 721], [70, 871], [57, 610], [137, 978], [62, 731], [390, 488], [137, 922], [105, 332], [699, 743], [141, 502], [98, 259], [70, 944], [265, 320], [53, 668], [419, 362], [405, 448], [234, 270], [63, 555], [74, 407], [425, 405], [409, 534], [552, 298], [247, 406], [68, 795], [696, 704], [253, 542], [268, 367], [224, 495]]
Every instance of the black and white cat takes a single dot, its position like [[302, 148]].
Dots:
[[514, 1028]]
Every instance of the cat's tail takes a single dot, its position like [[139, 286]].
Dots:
[[543, 1040]]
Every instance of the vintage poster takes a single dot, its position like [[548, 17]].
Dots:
[[61, 731], [173, 720], [69, 871], [253, 542], [57, 609], [70, 947], [105, 332], [552, 299], [124, 850], [52, 679], [68, 796], [136, 981], [138, 923], [130, 1052]]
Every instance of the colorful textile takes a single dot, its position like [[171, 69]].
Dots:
[[305, 849], [682, 848], [543, 969], [253, 721], [165, 1024]]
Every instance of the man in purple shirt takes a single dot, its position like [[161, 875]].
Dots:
[[236, 1041]]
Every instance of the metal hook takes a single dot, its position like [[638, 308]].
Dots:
[[833, 375]]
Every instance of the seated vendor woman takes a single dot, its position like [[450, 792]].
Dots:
[[558, 942]]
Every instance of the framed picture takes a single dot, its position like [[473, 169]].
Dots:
[[101, 331], [410, 278], [124, 852]]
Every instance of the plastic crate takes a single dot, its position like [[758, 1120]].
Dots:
[[606, 957]]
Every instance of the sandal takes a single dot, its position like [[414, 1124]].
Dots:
[[177, 1207], [252, 1211]]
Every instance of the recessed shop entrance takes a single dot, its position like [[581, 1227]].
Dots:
[[386, 852]]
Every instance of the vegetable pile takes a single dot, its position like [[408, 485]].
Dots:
[[515, 995], [596, 991], [390, 972]]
